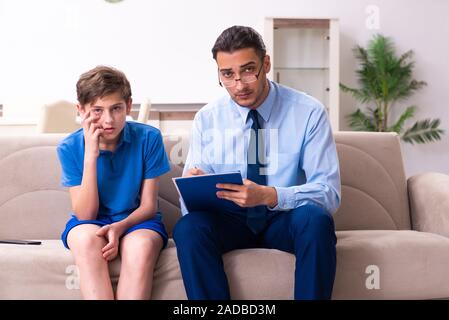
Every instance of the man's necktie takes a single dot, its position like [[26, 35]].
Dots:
[[256, 217]]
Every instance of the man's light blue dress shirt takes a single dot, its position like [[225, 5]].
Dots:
[[301, 156]]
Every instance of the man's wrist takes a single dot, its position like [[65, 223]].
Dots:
[[271, 197]]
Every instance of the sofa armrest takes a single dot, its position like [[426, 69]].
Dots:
[[429, 202]]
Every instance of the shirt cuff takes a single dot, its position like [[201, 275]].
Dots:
[[286, 199], [183, 207]]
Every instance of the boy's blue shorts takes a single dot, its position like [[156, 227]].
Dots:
[[154, 224]]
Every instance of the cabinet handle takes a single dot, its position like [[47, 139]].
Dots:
[[278, 77]]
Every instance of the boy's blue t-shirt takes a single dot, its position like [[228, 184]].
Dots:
[[139, 155]]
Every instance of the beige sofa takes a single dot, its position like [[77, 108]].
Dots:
[[392, 232]]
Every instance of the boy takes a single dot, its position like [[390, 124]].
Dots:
[[111, 168]]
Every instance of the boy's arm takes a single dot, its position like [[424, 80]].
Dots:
[[148, 205], [85, 202], [146, 210]]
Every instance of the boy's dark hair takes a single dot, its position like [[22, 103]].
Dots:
[[239, 37], [100, 82]]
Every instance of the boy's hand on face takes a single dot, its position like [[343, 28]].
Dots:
[[112, 233], [92, 132]]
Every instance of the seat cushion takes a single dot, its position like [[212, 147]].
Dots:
[[48, 271], [407, 264], [252, 274], [37, 271], [410, 265]]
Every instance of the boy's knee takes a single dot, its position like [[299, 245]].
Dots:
[[146, 254], [146, 246], [84, 239]]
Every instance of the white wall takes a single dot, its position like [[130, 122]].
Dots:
[[164, 48]]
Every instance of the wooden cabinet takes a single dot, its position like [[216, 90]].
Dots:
[[305, 56]]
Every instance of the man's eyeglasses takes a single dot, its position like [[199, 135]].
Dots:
[[246, 76]]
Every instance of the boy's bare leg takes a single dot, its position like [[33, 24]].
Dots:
[[139, 253], [95, 282]]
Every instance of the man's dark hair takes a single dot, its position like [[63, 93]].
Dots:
[[239, 37]]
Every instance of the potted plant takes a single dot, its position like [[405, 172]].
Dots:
[[385, 79]]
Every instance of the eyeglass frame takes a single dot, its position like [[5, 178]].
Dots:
[[235, 80]]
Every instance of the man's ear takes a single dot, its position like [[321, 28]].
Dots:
[[128, 106], [267, 63]]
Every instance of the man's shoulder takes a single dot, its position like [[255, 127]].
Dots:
[[299, 99]]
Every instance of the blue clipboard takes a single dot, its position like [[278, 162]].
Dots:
[[199, 192]]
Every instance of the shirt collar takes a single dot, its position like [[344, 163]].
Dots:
[[264, 109], [124, 135]]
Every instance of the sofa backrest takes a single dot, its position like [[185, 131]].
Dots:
[[374, 186], [34, 205]]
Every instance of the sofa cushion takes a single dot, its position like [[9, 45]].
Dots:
[[32, 202], [374, 188], [410, 265], [168, 199], [252, 274], [48, 271], [37, 271]]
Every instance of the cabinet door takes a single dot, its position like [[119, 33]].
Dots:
[[314, 82], [305, 57], [301, 60]]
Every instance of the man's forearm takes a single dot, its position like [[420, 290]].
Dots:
[[322, 194]]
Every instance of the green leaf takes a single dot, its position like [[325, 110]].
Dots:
[[408, 114], [361, 122], [356, 93], [423, 131]]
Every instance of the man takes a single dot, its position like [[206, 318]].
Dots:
[[290, 162]]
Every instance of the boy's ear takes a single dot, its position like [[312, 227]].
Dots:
[[128, 106], [80, 109]]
